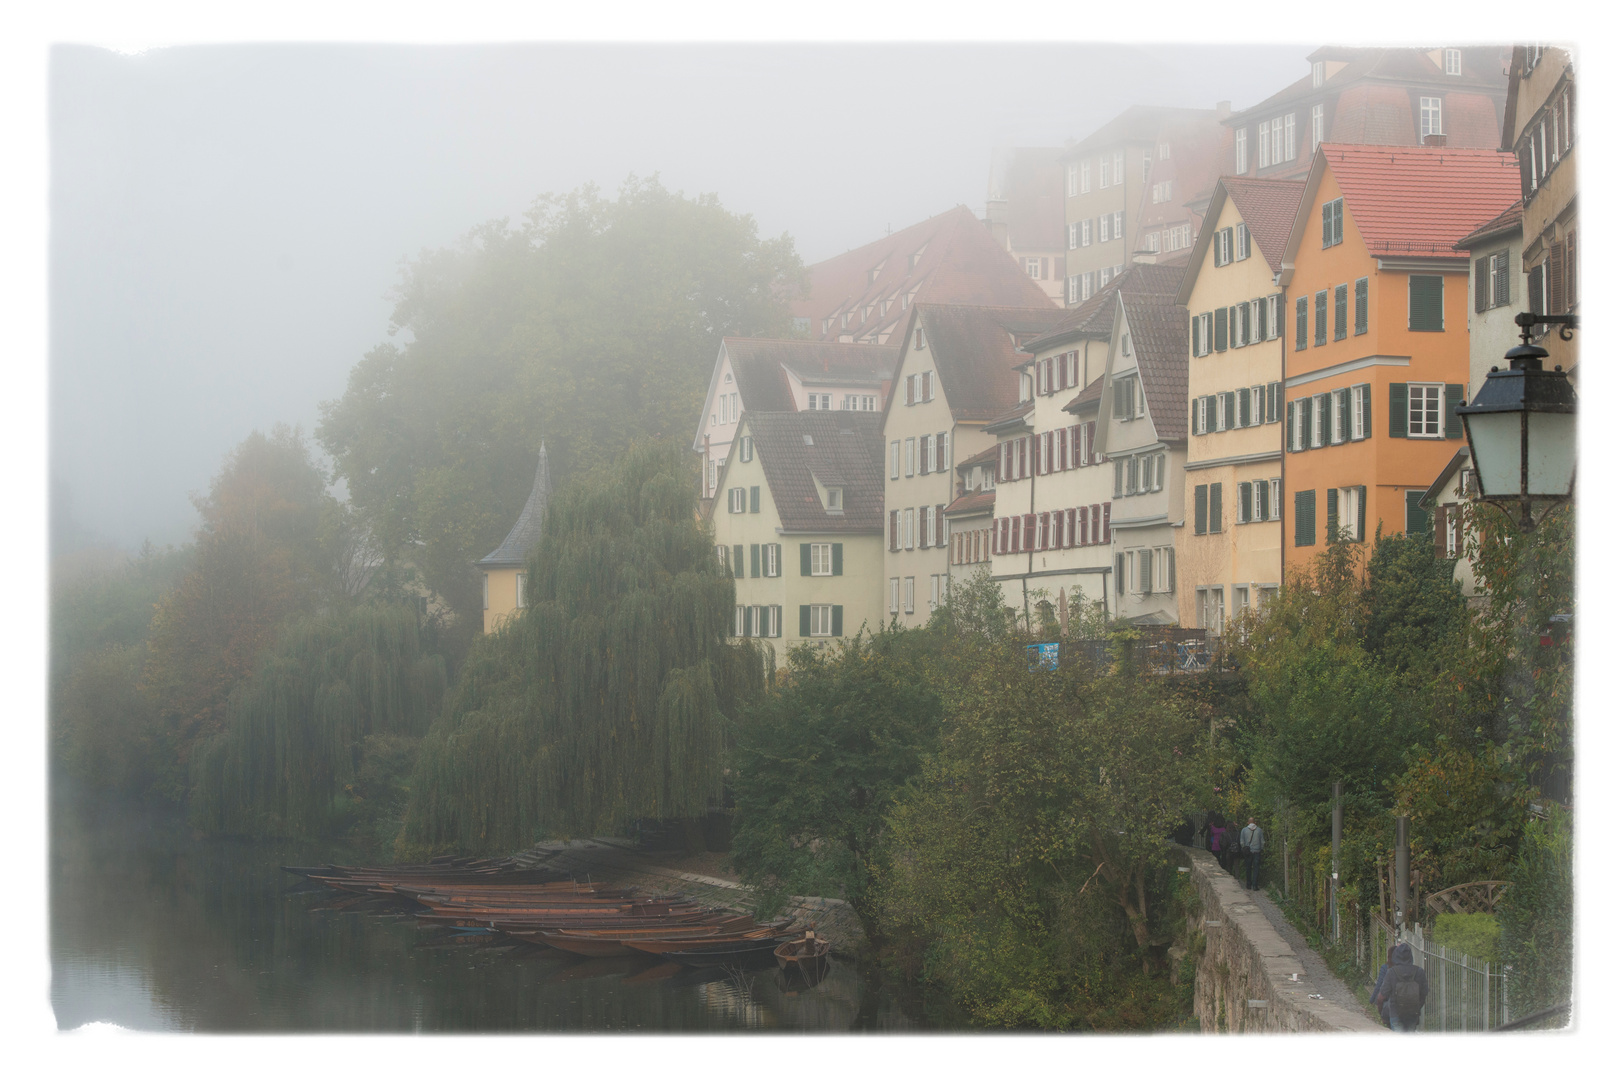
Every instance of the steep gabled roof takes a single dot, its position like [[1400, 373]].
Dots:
[[513, 550], [1091, 320], [1480, 73], [1269, 208], [760, 365], [974, 350], [840, 449], [1508, 220], [1158, 329], [1410, 201], [1086, 397], [956, 261]]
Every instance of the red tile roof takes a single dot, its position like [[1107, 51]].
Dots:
[[957, 261], [1089, 394], [1268, 208], [975, 352], [1159, 328], [982, 457], [760, 363], [1420, 200], [973, 502], [1508, 219]]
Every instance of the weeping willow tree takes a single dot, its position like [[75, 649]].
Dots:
[[606, 698], [290, 760]]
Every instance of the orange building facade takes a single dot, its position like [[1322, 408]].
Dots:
[[1378, 357]]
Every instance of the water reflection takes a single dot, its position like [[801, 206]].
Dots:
[[153, 929]]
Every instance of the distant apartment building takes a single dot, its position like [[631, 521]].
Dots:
[[1371, 96], [1025, 212], [1229, 550], [1109, 190]]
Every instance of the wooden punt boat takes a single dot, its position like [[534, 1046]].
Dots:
[[627, 945], [808, 956], [755, 952]]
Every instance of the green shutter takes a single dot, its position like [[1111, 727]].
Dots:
[[1202, 509], [1171, 569], [1286, 437], [836, 560], [837, 620], [1365, 397], [803, 620], [1426, 302], [752, 555], [1306, 406], [1221, 325], [1303, 519], [1454, 398], [1216, 516], [1360, 531], [803, 560], [752, 500], [1320, 317], [1362, 305], [1303, 324], [736, 560], [1417, 520], [1339, 324], [1244, 499], [1325, 225], [1480, 286], [1331, 514], [1398, 410]]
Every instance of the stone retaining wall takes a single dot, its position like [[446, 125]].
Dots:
[[619, 862], [1245, 974]]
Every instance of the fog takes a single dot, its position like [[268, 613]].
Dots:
[[227, 221]]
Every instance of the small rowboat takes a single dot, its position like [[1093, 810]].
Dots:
[[808, 956], [740, 954]]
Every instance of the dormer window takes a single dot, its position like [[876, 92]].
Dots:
[[834, 500], [921, 340], [1317, 73], [1452, 61], [1126, 345]]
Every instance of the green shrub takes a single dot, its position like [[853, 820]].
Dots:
[[1477, 935], [1536, 916]]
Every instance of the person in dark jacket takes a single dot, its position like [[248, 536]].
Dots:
[[1219, 841], [1381, 975], [1404, 990]]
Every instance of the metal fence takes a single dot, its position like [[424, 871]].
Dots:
[[1156, 650], [1463, 994]]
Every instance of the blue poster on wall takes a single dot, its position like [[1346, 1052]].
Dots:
[[1043, 656]]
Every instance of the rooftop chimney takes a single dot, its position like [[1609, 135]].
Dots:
[[1223, 109]]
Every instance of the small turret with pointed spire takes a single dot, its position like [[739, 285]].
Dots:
[[504, 567]]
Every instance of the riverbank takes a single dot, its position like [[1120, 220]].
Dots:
[[700, 876]]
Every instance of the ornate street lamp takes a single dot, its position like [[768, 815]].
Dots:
[[1521, 427]]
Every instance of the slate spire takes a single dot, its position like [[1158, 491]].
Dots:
[[525, 534]]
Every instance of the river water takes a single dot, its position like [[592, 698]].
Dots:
[[153, 929]]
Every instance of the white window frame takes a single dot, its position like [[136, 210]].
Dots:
[[1264, 144], [1317, 127], [820, 620], [1275, 499], [1292, 137], [1244, 241], [1317, 421], [893, 596], [1432, 116], [910, 528], [910, 596], [820, 560], [1452, 61], [1105, 229], [772, 560], [1117, 225], [1085, 232], [1073, 289], [894, 448], [1348, 511], [738, 500], [1072, 180], [1433, 418], [910, 456], [1241, 151], [1084, 178], [1072, 235]]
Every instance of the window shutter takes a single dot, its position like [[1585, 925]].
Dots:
[[1201, 519], [753, 559], [803, 620], [893, 530], [1261, 507], [1196, 336], [1570, 272], [1118, 574], [1325, 225], [803, 559], [1480, 285], [1221, 321], [1302, 341], [1106, 523], [1331, 514], [1426, 302], [1398, 410], [1417, 520], [1303, 519], [1440, 521], [1028, 532], [1339, 313], [1365, 397], [736, 567], [1292, 427], [837, 620], [1359, 520], [1145, 565], [1216, 516], [1362, 305], [1320, 317], [1554, 281], [910, 389], [1454, 398], [1244, 501], [752, 500], [1536, 289], [836, 560]]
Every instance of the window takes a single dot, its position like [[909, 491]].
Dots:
[[1452, 61], [1273, 321], [1292, 137], [1118, 167], [921, 339], [1264, 145], [1317, 74], [1202, 334], [935, 591], [1106, 228], [1072, 235], [1241, 151], [1031, 265], [1222, 247], [1106, 171], [1084, 178], [1208, 514], [1362, 305], [910, 456], [1089, 289], [1345, 513], [1432, 116], [1274, 504], [1317, 127], [1072, 180], [1244, 242], [1320, 317], [1339, 324], [1426, 407], [820, 402], [1359, 426], [834, 500], [910, 596], [820, 620], [910, 528], [1117, 227], [738, 500], [820, 560], [486, 590], [1337, 427], [893, 463], [772, 560], [1085, 229], [893, 596], [720, 550], [1426, 302], [1302, 341], [1303, 519], [746, 445], [1317, 421], [1211, 609], [1491, 283], [1331, 223]]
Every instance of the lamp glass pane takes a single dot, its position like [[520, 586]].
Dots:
[[1497, 452], [1552, 449]]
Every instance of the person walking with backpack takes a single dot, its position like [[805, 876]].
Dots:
[[1252, 845], [1403, 989]]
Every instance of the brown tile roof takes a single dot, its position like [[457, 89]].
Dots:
[[1091, 319], [1138, 123], [1419, 200], [1508, 219], [1268, 207], [844, 449], [1158, 329], [975, 352], [1088, 395], [762, 383], [1482, 68], [1011, 418], [957, 261], [982, 457], [973, 502]]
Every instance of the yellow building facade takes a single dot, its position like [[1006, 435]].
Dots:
[[505, 569]]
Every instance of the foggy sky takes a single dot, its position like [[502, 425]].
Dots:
[[226, 221]]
